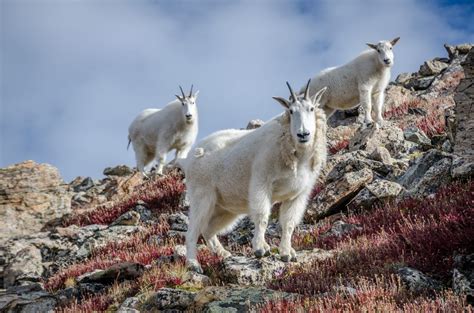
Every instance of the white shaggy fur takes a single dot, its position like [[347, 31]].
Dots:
[[155, 132], [362, 81], [237, 172]]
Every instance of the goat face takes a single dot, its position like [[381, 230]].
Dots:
[[188, 103], [301, 109], [384, 51]]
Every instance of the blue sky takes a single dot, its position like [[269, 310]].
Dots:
[[75, 73]]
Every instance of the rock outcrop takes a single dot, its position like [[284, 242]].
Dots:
[[31, 196]]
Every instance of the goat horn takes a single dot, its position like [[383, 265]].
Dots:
[[306, 92], [191, 91], [291, 91], [182, 92]]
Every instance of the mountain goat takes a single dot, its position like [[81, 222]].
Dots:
[[236, 172], [362, 81], [155, 132]]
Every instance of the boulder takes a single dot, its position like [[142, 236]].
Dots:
[[340, 229], [130, 218], [27, 300], [167, 299], [428, 172], [381, 154], [31, 196], [119, 170], [116, 272], [178, 221], [243, 270], [235, 299], [416, 281], [26, 265], [432, 67], [415, 135], [463, 276], [378, 191], [334, 197], [389, 136]]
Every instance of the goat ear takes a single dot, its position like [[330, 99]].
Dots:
[[283, 102], [196, 94], [317, 97], [179, 98], [394, 41], [372, 46]]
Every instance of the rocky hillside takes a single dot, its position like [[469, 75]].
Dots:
[[390, 225]]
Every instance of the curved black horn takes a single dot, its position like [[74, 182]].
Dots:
[[291, 91], [306, 92], [182, 92], [191, 91]]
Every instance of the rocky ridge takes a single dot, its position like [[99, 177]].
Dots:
[[116, 244]]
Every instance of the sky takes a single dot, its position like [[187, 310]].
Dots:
[[75, 73]]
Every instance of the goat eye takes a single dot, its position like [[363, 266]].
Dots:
[[291, 111], [312, 109]]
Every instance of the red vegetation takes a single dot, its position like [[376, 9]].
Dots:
[[138, 248], [433, 124], [384, 294], [403, 108], [162, 194], [339, 146], [424, 234]]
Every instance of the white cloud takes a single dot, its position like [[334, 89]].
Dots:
[[75, 73]]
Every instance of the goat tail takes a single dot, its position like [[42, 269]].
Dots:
[[129, 141]]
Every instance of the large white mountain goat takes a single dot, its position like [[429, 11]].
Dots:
[[362, 81], [237, 172], [155, 132]]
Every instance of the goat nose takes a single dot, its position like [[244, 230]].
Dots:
[[303, 135], [189, 115], [387, 61]]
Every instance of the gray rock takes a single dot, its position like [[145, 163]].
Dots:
[[380, 190], [26, 265], [79, 292], [235, 299], [27, 302], [130, 218], [421, 83], [463, 276], [119, 170], [334, 197], [86, 184], [145, 213], [415, 135], [462, 169], [389, 136], [252, 271], [402, 78], [454, 51], [255, 124], [381, 154], [427, 174], [178, 221], [117, 272], [167, 299], [130, 305], [432, 67], [341, 228], [416, 281]]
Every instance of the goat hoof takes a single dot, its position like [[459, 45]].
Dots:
[[293, 259], [260, 253], [285, 258], [267, 253]]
